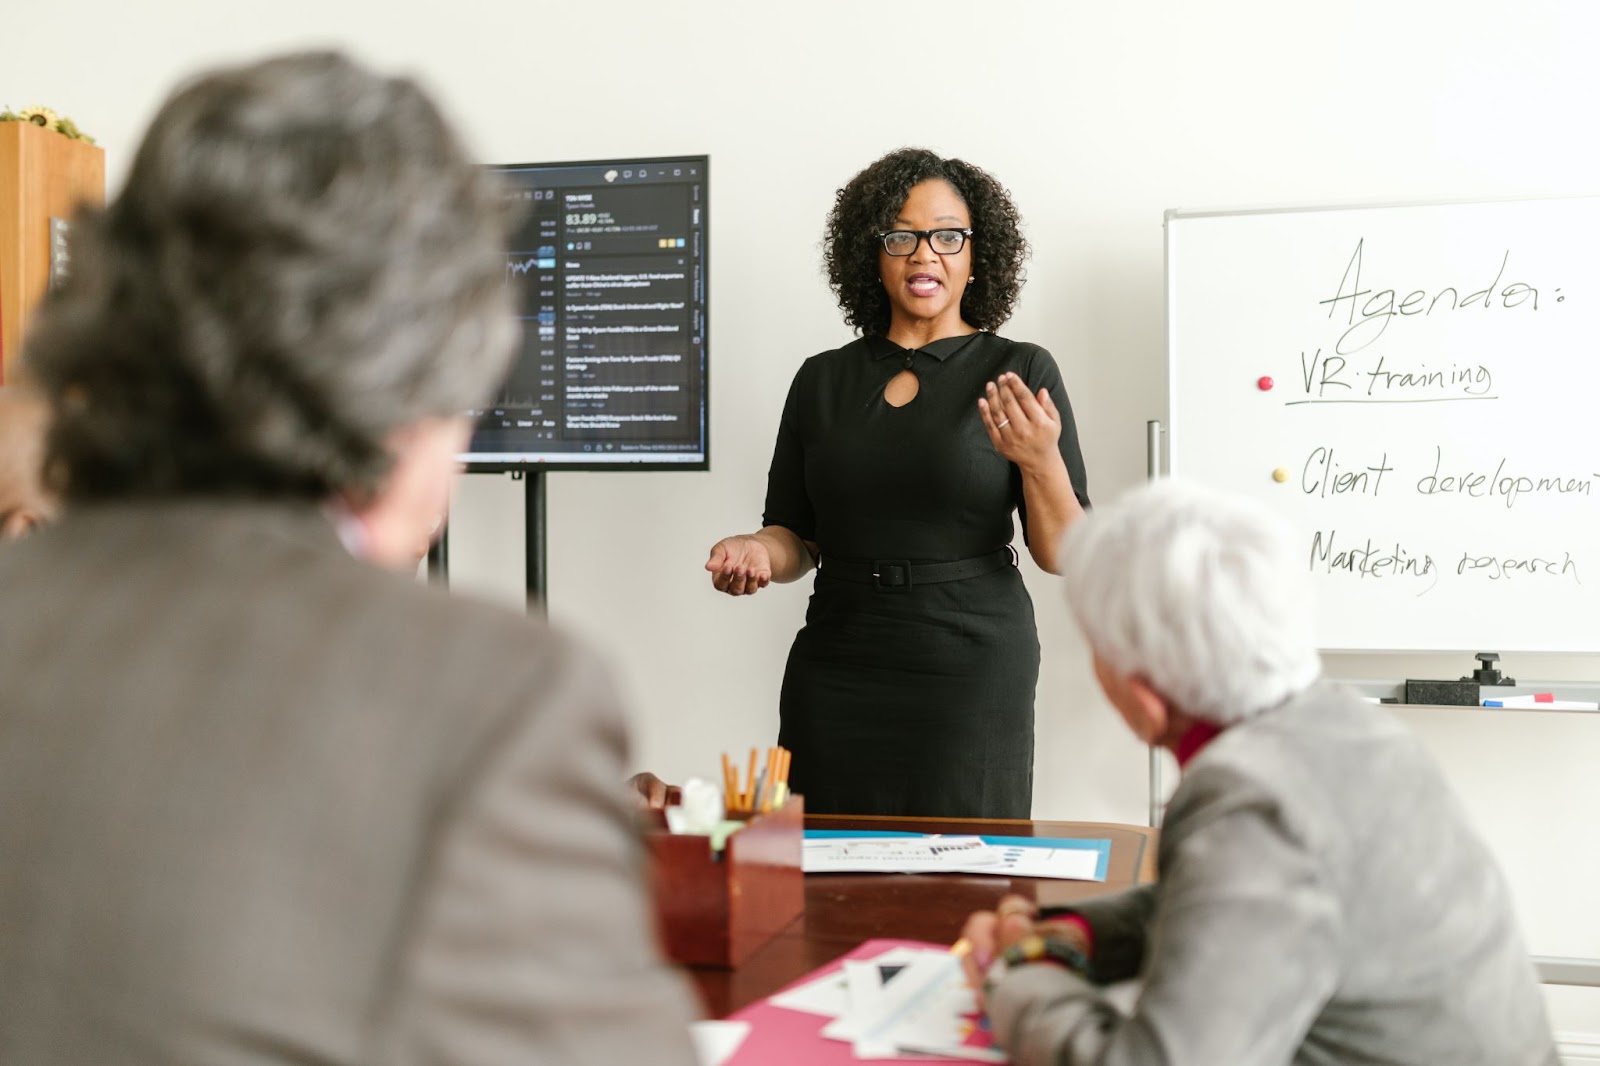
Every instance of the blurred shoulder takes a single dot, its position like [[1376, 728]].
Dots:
[[470, 633], [1325, 754], [469, 672]]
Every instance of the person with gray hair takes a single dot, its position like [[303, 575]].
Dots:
[[1322, 896], [262, 800]]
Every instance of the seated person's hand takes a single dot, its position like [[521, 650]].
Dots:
[[988, 933], [1014, 919], [652, 792]]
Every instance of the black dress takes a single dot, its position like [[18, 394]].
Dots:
[[915, 701]]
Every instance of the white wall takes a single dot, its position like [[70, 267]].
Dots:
[[1097, 116]]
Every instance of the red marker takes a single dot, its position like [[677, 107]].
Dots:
[[1264, 384]]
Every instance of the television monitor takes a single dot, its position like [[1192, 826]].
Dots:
[[609, 268]]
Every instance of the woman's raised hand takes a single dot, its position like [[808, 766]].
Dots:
[[1023, 427]]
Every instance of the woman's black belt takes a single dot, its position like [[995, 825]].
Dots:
[[901, 575]]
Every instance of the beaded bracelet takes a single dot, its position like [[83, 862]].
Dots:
[[1038, 948]]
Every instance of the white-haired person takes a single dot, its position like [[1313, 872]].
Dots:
[[1322, 896]]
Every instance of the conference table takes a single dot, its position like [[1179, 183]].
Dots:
[[842, 910]]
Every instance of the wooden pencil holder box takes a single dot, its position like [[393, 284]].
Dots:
[[717, 909]]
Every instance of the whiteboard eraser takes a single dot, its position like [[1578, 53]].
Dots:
[[1443, 693]]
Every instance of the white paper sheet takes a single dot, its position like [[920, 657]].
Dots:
[[947, 854], [829, 995], [922, 1008], [1074, 864], [928, 854], [716, 1041], [902, 1001]]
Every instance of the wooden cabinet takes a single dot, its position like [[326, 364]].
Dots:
[[43, 175]]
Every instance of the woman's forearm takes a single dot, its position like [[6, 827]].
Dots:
[[792, 558], [1052, 507]]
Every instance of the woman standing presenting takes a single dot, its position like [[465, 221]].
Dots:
[[900, 459]]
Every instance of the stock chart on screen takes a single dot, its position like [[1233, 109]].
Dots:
[[609, 271]]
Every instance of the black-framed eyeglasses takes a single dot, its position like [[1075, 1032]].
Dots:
[[943, 241]]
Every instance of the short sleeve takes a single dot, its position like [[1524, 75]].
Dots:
[[1041, 372], [788, 503]]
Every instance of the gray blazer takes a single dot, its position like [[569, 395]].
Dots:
[[263, 803], [1322, 899]]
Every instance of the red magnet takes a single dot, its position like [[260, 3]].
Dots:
[[1264, 384]]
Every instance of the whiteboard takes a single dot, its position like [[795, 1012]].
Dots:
[[1431, 427]]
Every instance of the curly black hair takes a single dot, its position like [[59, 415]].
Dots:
[[868, 205]]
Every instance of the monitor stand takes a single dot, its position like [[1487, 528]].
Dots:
[[535, 512]]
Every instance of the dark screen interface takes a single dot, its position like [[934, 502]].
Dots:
[[608, 268]]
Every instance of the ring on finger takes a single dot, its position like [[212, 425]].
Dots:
[[1003, 423]]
